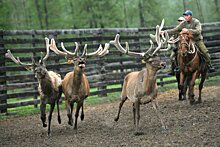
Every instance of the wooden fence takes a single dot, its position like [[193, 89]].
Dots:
[[18, 87]]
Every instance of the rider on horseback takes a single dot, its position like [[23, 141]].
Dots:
[[193, 26], [174, 50]]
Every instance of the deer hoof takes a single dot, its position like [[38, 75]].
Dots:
[[44, 125], [82, 117], [59, 120], [165, 128], [48, 134], [116, 119]]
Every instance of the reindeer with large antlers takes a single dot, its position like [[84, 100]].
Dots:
[[75, 84], [141, 87], [49, 87]]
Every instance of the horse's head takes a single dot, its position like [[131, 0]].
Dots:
[[184, 42]]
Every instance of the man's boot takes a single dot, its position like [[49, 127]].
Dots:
[[211, 68]]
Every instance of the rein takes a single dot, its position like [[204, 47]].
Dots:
[[194, 50]]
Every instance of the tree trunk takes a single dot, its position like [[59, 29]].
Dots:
[[217, 9], [39, 14], [72, 12], [15, 15], [25, 9], [46, 14], [141, 13], [125, 15], [185, 4], [200, 11]]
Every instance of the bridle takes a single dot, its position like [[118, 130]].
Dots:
[[190, 45]]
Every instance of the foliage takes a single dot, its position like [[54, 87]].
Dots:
[[67, 14]]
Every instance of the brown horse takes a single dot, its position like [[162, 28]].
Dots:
[[192, 66]]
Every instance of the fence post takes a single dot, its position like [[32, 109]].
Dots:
[[3, 93], [34, 55], [102, 79], [102, 71]]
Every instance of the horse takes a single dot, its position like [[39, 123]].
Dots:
[[192, 66]]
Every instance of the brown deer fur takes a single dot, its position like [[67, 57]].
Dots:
[[141, 87], [75, 84], [49, 85]]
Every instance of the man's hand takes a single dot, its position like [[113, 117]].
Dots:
[[161, 32], [185, 30]]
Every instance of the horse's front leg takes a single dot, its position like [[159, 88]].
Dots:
[[181, 86], [191, 88]]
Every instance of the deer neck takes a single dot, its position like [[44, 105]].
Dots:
[[149, 80], [45, 85], [77, 77]]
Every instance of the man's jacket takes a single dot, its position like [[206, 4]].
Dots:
[[194, 27]]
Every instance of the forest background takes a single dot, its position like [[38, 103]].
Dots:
[[79, 14]]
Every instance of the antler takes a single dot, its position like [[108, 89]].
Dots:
[[100, 52], [17, 60], [156, 37], [125, 50], [47, 51]]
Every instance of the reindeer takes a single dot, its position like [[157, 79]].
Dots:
[[140, 87], [75, 84], [49, 87]]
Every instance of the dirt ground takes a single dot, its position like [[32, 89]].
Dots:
[[197, 125]]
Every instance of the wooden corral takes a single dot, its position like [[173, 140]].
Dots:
[[18, 87]]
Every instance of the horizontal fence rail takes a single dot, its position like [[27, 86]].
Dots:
[[18, 87]]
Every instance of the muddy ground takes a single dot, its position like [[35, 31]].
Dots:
[[197, 125]]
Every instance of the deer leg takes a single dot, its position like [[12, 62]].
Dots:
[[159, 115], [82, 113], [79, 104], [123, 99], [203, 77], [50, 116], [134, 114], [42, 109], [69, 108], [58, 112], [137, 117]]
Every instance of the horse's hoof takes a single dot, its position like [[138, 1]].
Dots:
[[192, 102], [181, 99], [199, 101], [70, 123]]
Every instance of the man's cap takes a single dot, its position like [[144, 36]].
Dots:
[[181, 19], [188, 12]]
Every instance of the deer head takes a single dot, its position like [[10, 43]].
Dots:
[[38, 67], [73, 57], [151, 52]]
